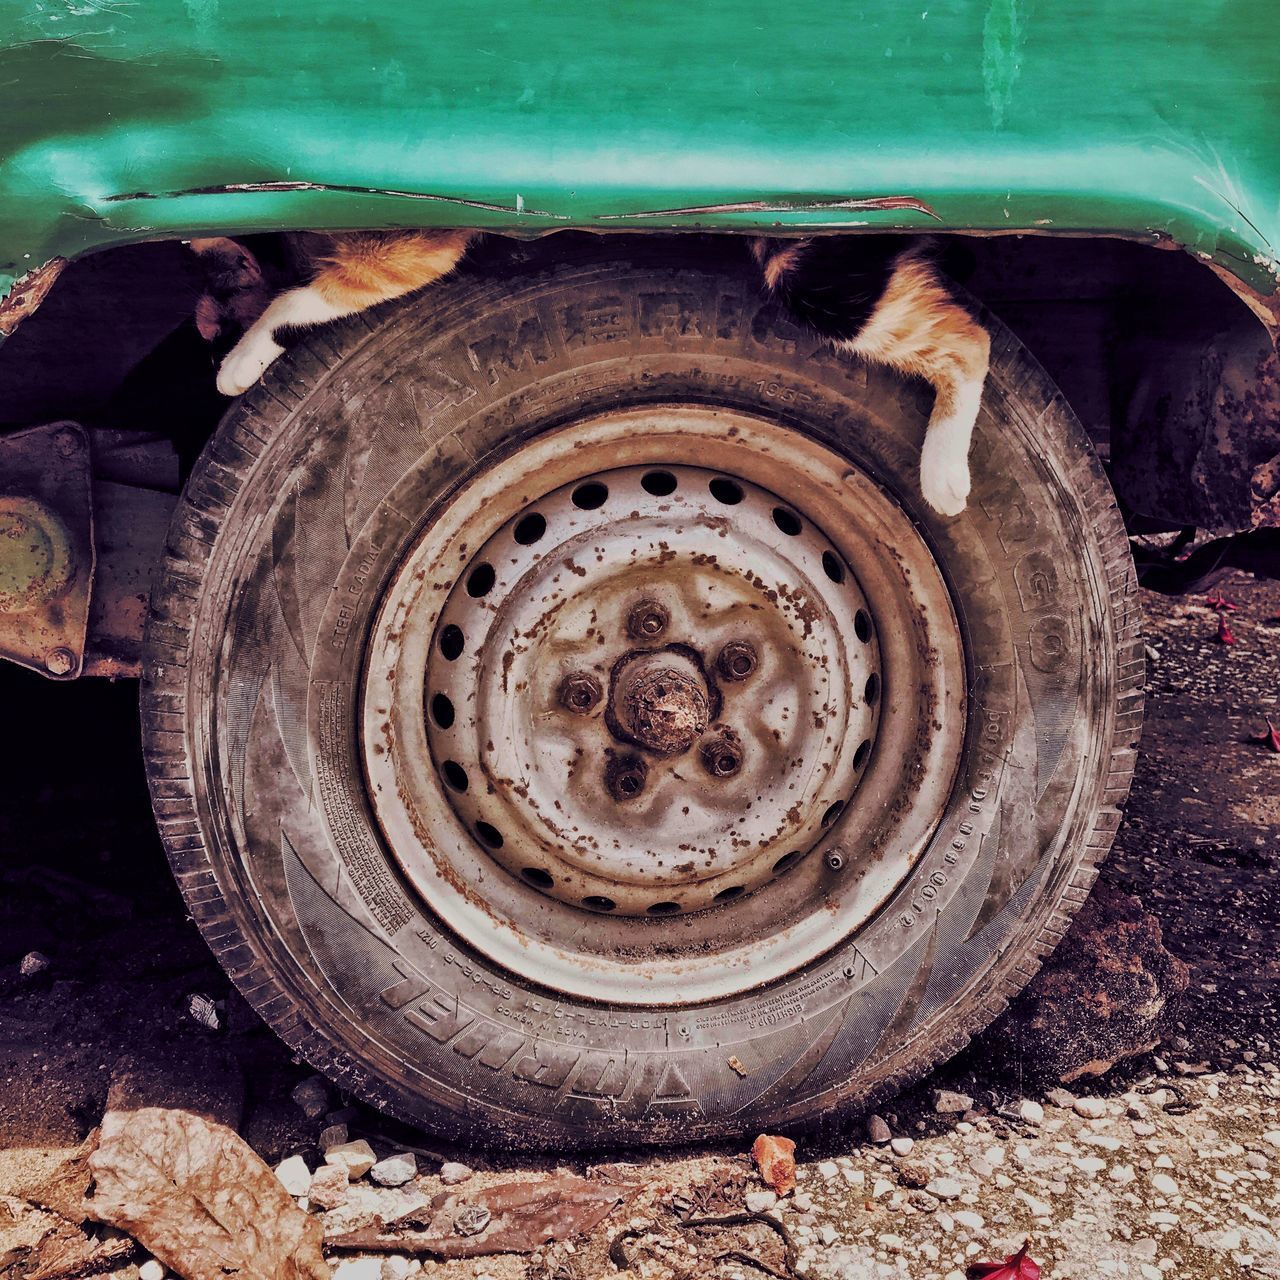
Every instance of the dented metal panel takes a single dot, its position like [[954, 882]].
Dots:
[[125, 122]]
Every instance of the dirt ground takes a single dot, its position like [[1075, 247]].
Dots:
[[1165, 1167]]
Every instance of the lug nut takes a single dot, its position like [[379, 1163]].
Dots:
[[625, 776], [60, 662], [737, 660], [722, 756], [647, 620], [579, 692], [835, 860]]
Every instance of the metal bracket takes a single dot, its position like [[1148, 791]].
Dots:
[[46, 548]]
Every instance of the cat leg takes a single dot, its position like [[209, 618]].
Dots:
[[880, 297], [919, 328], [358, 270], [249, 359]]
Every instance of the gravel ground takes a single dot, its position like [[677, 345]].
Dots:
[[1164, 1167]]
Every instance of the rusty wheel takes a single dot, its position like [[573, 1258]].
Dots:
[[568, 723]]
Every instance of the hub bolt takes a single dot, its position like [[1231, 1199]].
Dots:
[[647, 620], [737, 660], [60, 662], [835, 860], [579, 692], [722, 755], [625, 776]]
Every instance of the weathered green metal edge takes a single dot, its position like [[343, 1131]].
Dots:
[[126, 121]]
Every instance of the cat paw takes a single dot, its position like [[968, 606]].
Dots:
[[248, 360], [944, 482]]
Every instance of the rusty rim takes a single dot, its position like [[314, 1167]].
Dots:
[[641, 730]]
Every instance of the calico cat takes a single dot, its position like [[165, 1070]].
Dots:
[[880, 297]]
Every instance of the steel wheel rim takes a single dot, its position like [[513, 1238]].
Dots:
[[519, 900]]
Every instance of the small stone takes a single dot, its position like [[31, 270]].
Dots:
[[294, 1175], [32, 965], [892, 1243], [802, 1202], [922, 1201], [1164, 1184], [328, 1187], [945, 1188], [1039, 1209], [761, 1201], [881, 1188], [969, 1220], [395, 1170], [948, 1102], [152, 1269], [333, 1135], [471, 1220], [1062, 1098], [878, 1130], [452, 1172], [1142, 1128], [312, 1096], [358, 1269], [357, 1158], [827, 1169], [1122, 1173], [913, 1173], [1090, 1108], [905, 1146], [1030, 1111], [395, 1268], [828, 1234]]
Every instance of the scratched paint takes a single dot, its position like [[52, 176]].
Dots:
[[1002, 39]]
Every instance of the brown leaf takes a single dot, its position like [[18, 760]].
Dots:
[[522, 1216], [776, 1160], [37, 1244], [195, 1195]]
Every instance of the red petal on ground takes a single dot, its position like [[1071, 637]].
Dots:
[[1017, 1266]]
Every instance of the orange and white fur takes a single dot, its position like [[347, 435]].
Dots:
[[351, 271], [879, 297]]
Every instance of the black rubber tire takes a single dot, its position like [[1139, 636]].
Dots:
[[271, 537]]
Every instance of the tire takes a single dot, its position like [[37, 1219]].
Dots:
[[1004, 734]]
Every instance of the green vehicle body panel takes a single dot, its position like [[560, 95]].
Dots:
[[128, 121]]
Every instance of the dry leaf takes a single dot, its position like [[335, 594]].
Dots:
[[1017, 1266], [195, 1195], [521, 1216], [776, 1160]]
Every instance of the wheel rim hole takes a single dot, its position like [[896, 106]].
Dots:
[[451, 643], [862, 626], [785, 863], [597, 903], [832, 566], [728, 895], [658, 483], [442, 711], [787, 521], [663, 908], [537, 877], [833, 812], [489, 834], [530, 528], [480, 581], [863, 751], [725, 491], [591, 495], [629, 784], [872, 690], [455, 775]]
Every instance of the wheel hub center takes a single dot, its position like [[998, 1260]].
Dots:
[[659, 700]]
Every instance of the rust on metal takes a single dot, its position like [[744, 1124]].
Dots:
[[737, 660], [647, 620], [798, 205], [580, 692], [625, 776], [28, 292], [660, 706], [722, 755], [47, 553]]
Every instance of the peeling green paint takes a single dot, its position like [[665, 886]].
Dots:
[[122, 122]]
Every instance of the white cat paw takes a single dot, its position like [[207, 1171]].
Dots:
[[944, 481], [248, 360]]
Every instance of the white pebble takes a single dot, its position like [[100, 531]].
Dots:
[[395, 1170], [944, 1188], [828, 1234], [1164, 1184], [358, 1269], [1032, 1112], [969, 1220], [152, 1269], [761, 1201], [294, 1175], [357, 1158], [453, 1172], [1090, 1108], [902, 1146]]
